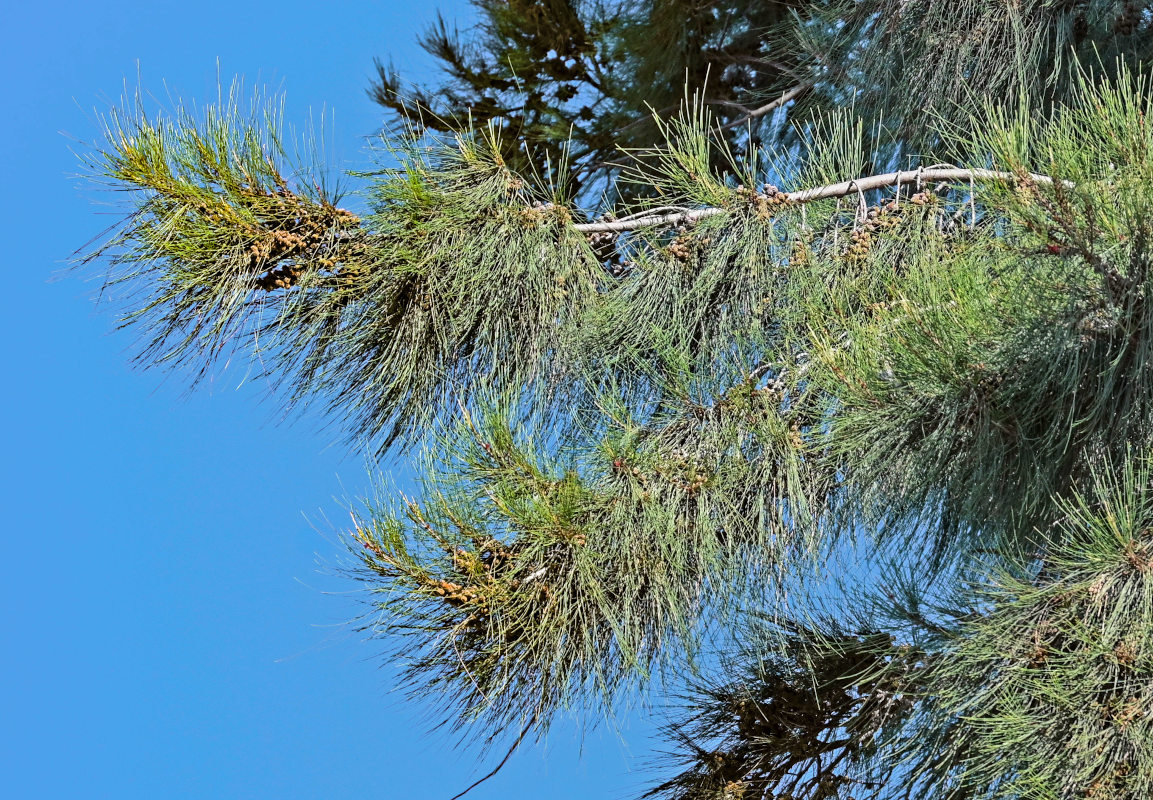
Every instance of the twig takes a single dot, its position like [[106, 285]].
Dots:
[[540, 573], [760, 371], [786, 96], [832, 190], [746, 112], [503, 761]]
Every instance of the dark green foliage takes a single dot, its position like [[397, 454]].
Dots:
[[582, 76], [805, 720]]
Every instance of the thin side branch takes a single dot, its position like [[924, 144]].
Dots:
[[786, 96], [746, 112], [833, 190]]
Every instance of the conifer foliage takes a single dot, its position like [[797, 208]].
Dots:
[[881, 421], [583, 76]]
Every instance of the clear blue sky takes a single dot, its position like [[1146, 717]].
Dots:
[[169, 633]]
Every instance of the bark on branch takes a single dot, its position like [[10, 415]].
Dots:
[[908, 177]]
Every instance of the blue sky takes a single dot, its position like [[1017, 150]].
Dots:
[[172, 631]]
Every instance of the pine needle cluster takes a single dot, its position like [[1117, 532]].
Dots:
[[480, 275], [535, 580], [460, 278], [980, 374], [217, 228], [1048, 694]]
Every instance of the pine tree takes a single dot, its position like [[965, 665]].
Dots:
[[846, 414]]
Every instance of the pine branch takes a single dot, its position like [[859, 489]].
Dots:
[[830, 191]]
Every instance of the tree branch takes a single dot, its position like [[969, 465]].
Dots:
[[842, 189], [786, 96], [746, 115]]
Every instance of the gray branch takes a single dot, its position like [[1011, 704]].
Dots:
[[842, 189]]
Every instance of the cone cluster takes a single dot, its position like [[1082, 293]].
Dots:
[[766, 202], [299, 241], [540, 212], [456, 594], [879, 218], [681, 248]]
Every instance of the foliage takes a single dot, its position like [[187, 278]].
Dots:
[[584, 75], [911, 62], [218, 228], [770, 375], [536, 581], [1048, 694], [374, 315], [805, 720]]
